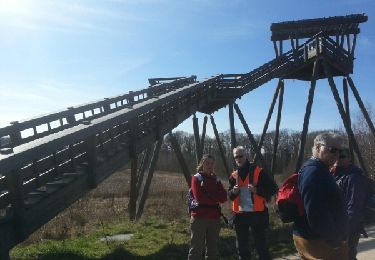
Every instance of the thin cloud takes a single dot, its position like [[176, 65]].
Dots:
[[65, 16]]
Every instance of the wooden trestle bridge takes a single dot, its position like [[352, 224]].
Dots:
[[53, 160]]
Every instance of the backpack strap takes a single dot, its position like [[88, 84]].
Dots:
[[251, 173], [199, 176]]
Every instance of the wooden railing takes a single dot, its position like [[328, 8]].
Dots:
[[29, 130]]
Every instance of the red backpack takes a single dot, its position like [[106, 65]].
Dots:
[[289, 204]]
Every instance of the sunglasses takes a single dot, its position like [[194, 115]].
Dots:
[[344, 153], [238, 156], [331, 149]]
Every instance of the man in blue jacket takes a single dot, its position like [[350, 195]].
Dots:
[[322, 231], [353, 184]]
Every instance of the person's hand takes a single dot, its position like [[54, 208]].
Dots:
[[252, 188], [236, 189]]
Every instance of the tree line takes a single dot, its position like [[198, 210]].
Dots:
[[286, 156]]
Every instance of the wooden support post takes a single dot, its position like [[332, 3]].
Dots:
[[270, 112], [201, 146], [220, 146], [361, 105], [15, 135], [151, 170], [281, 47], [343, 116], [233, 142], [347, 110], [307, 117], [342, 40], [348, 43], [132, 207], [251, 138], [196, 138], [14, 185], [180, 158], [133, 184], [90, 144], [142, 168], [353, 45], [305, 52], [295, 55], [70, 118], [276, 139], [275, 48], [292, 44]]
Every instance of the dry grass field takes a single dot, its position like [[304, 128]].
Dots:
[[109, 201]]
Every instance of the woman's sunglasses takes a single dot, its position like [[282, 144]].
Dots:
[[331, 149]]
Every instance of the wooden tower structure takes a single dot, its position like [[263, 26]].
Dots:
[[51, 161]]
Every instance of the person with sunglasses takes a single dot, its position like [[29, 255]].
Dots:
[[322, 231], [353, 184], [249, 189]]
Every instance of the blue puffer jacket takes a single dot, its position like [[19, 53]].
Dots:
[[325, 216], [354, 185]]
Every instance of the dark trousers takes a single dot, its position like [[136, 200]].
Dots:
[[258, 222], [352, 244]]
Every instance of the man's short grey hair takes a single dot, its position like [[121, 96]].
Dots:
[[326, 137], [240, 149]]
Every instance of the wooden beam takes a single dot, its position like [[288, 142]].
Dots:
[[251, 138], [278, 120], [201, 146], [180, 158], [144, 195], [196, 137], [354, 45], [307, 116], [347, 111], [220, 146], [142, 168], [275, 48], [233, 142], [132, 207], [343, 115], [361, 105], [90, 147], [270, 112], [348, 43]]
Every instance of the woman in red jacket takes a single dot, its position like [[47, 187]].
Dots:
[[208, 191]]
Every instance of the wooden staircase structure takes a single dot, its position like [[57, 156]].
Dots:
[[53, 160]]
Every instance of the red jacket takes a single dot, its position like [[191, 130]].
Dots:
[[209, 191]]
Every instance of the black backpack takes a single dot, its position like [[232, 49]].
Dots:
[[191, 201]]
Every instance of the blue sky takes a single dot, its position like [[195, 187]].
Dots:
[[55, 54]]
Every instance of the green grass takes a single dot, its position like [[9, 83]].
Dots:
[[153, 238]]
